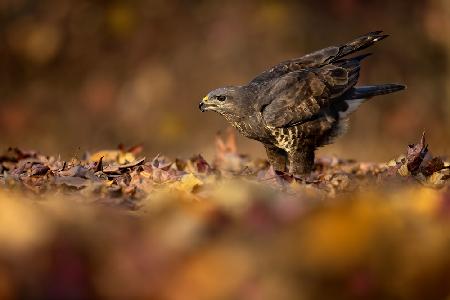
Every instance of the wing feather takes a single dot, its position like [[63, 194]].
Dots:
[[321, 57], [301, 96]]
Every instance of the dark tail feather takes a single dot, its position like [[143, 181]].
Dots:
[[360, 43], [364, 92]]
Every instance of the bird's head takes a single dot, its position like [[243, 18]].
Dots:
[[222, 100]]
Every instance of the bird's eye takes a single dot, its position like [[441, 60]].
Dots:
[[221, 98]]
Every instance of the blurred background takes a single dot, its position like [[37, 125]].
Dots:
[[88, 75]]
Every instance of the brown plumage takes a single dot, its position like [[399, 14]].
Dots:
[[300, 104]]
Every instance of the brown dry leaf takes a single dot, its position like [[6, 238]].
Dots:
[[200, 164], [75, 182], [415, 155], [161, 162], [39, 169], [433, 165], [136, 149], [116, 168], [75, 171]]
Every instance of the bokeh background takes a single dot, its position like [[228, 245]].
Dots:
[[88, 75]]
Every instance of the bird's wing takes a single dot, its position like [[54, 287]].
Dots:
[[303, 95], [320, 57]]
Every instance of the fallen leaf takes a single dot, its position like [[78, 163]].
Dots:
[[115, 168], [415, 155], [99, 166], [39, 169], [76, 182], [403, 170], [189, 182], [433, 165]]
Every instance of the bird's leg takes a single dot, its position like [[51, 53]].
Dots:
[[277, 157], [301, 161]]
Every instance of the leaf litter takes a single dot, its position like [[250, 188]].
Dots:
[[123, 174], [232, 228]]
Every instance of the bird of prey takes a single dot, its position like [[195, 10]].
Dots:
[[299, 104]]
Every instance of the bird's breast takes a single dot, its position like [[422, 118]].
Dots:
[[245, 128], [250, 127]]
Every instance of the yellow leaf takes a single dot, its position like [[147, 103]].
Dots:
[[435, 179], [403, 170], [188, 182], [108, 155], [146, 174], [392, 163], [113, 156], [125, 157]]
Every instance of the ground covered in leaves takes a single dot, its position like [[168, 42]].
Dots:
[[116, 225]]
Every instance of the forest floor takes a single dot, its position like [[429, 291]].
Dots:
[[116, 225]]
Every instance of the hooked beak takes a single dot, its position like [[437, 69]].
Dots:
[[202, 105]]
